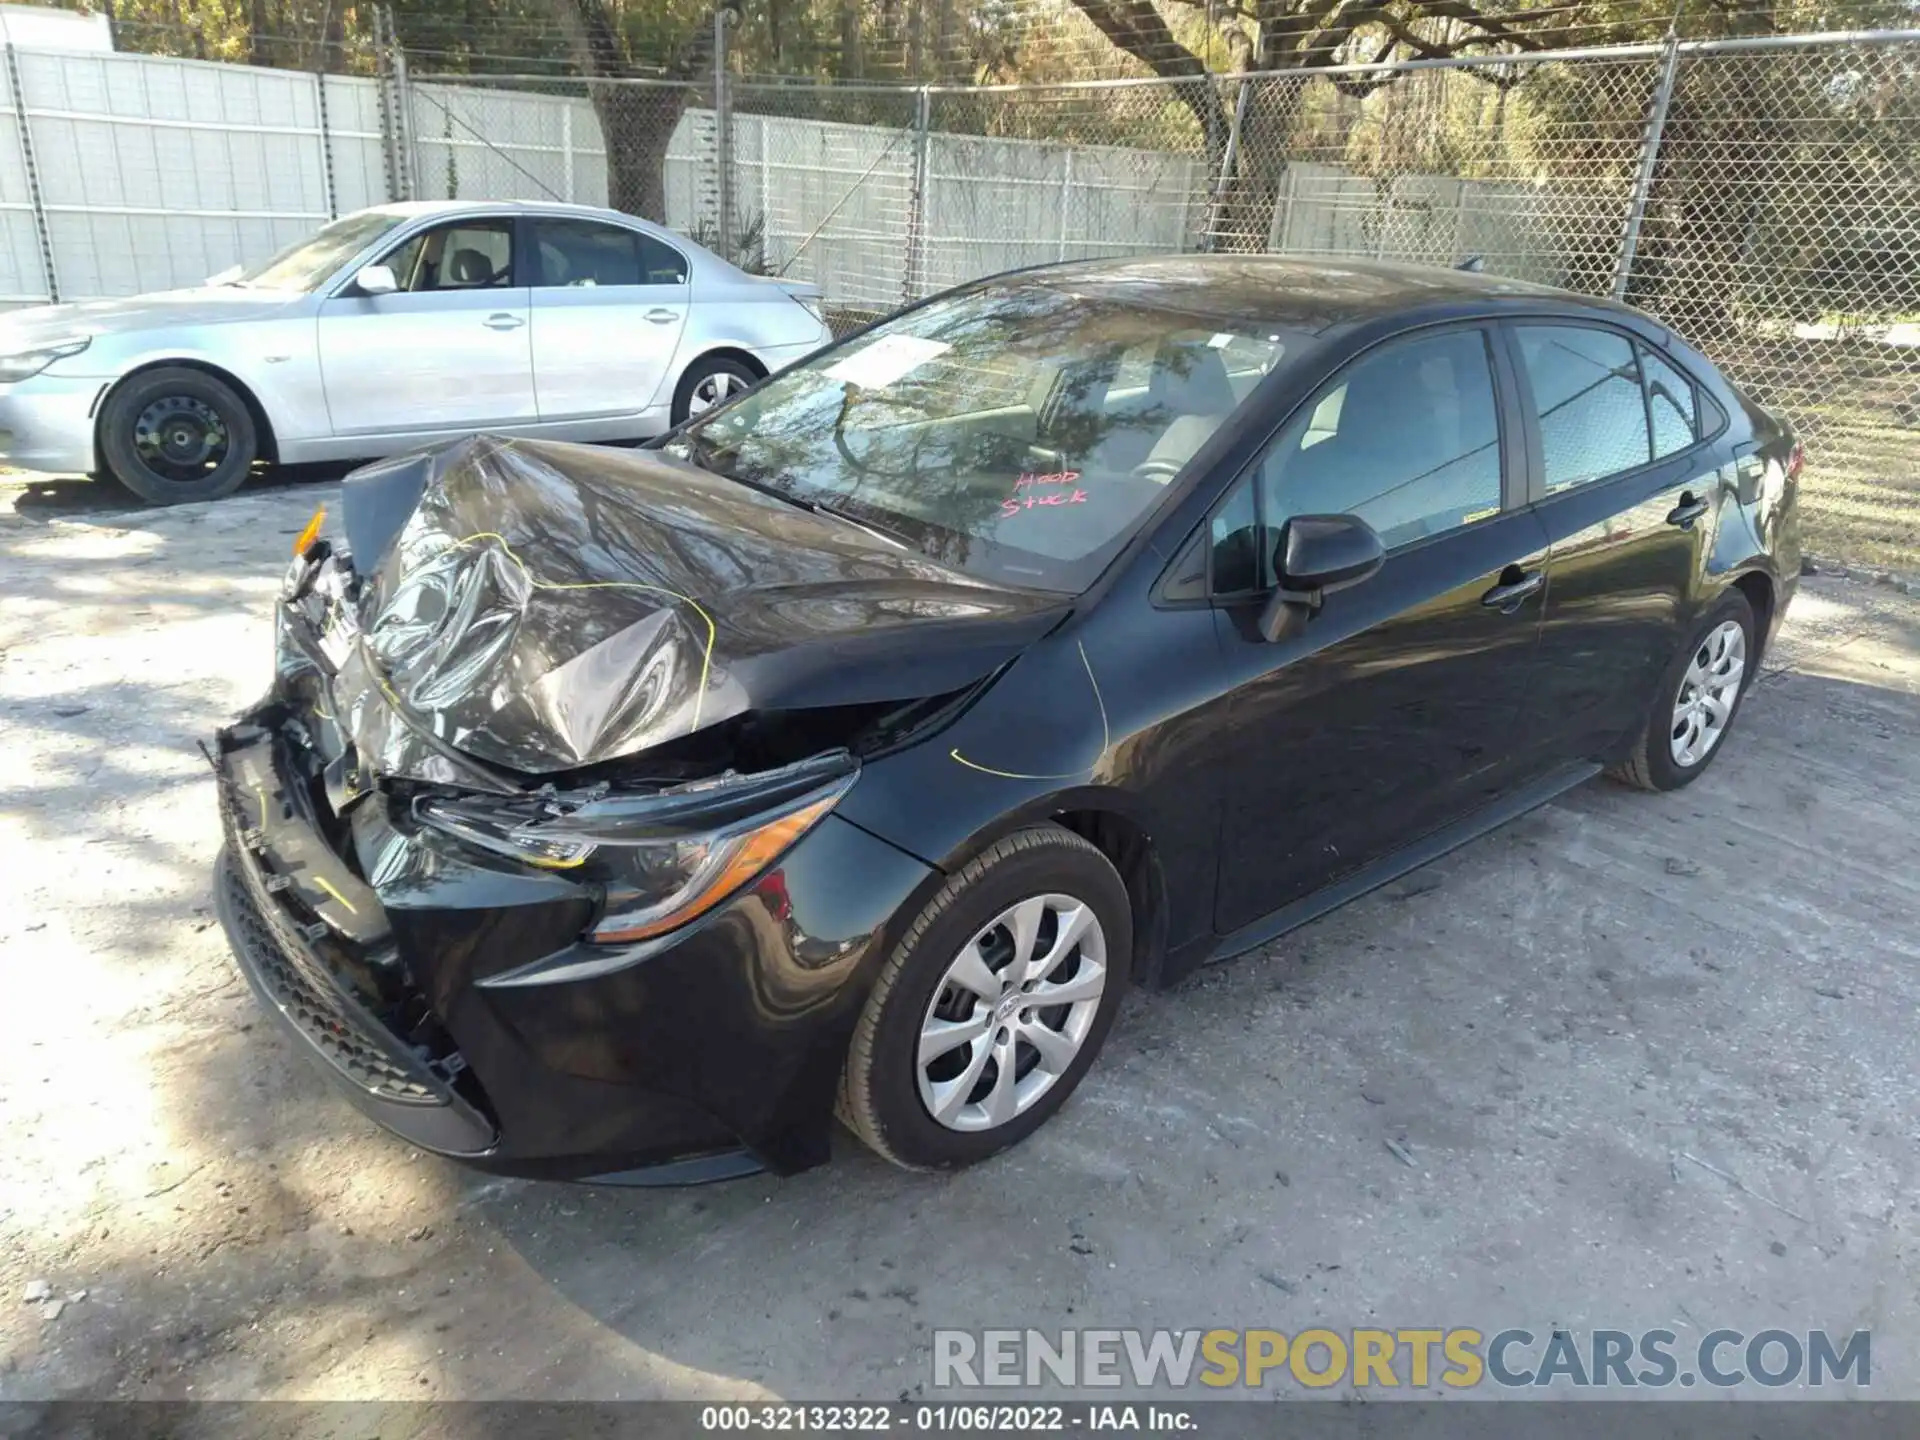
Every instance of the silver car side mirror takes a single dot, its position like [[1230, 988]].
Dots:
[[376, 280]]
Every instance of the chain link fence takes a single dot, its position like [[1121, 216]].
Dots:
[[1762, 196], [1782, 236], [1529, 165]]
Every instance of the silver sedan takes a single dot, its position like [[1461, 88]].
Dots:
[[390, 328]]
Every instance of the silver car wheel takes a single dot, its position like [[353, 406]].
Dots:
[[1707, 694], [714, 388], [1012, 1012]]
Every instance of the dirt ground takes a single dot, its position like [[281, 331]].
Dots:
[[1642, 1061]]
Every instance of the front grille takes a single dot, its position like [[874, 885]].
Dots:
[[295, 979]]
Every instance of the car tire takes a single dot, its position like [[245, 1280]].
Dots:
[[890, 1092], [175, 435], [1685, 719], [708, 381]]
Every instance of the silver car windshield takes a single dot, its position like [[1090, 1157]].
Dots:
[[1020, 431], [307, 264]]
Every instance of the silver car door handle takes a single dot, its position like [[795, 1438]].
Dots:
[[663, 317], [504, 321]]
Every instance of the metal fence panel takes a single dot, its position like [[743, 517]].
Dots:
[[506, 142], [1028, 176], [354, 140], [23, 277], [156, 173], [823, 185]]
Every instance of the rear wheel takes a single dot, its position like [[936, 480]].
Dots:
[[710, 380], [175, 434], [993, 1005], [1698, 697]]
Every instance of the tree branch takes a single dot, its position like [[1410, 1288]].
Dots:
[[1239, 9], [1142, 31], [1361, 86], [602, 52]]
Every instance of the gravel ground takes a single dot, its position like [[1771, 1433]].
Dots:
[[1642, 1061]]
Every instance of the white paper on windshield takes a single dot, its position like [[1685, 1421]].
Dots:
[[886, 360], [1221, 341]]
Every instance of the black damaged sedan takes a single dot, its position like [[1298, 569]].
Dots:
[[627, 815]]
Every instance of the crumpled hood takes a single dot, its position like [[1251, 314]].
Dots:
[[210, 305], [543, 606]]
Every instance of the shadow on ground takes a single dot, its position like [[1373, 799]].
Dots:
[[1507, 1090]]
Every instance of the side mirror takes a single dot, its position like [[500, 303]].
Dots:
[[376, 280], [226, 276], [1317, 554]]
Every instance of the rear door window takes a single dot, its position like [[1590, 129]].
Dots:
[[1587, 397], [574, 254], [661, 264]]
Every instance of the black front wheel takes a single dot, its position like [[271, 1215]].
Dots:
[[174, 435], [993, 1004]]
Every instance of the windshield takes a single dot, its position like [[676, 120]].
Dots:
[[311, 262], [1018, 431]]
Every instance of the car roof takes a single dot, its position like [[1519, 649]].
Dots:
[[413, 209], [1304, 295]]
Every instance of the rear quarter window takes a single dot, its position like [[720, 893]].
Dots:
[[1587, 399]]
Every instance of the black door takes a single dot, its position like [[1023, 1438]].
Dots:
[[1628, 498], [1393, 711]]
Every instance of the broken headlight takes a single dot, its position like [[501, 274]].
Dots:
[[664, 857]]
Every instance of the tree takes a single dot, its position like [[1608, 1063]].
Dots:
[[1293, 42], [637, 120]]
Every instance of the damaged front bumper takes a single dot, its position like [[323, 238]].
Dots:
[[450, 996]]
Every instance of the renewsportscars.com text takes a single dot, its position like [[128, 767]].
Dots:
[[1458, 1358]]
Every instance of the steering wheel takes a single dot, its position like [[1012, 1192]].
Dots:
[[1160, 472]]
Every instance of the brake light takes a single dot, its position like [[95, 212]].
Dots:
[[1796, 460]]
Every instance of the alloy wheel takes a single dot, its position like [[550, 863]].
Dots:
[[1707, 694], [713, 389], [179, 437], [1011, 1013]]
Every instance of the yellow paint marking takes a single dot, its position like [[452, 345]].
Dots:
[[322, 883], [546, 864], [706, 659], [1106, 737]]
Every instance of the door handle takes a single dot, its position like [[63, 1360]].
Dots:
[[663, 317], [1509, 595], [1690, 509], [503, 321]]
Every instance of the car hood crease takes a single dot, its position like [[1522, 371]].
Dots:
[[544, 606]]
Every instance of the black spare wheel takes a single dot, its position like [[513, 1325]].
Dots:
[[175, 434]]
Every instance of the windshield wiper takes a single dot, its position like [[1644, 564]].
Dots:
[[690, 452], [878, 532]]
